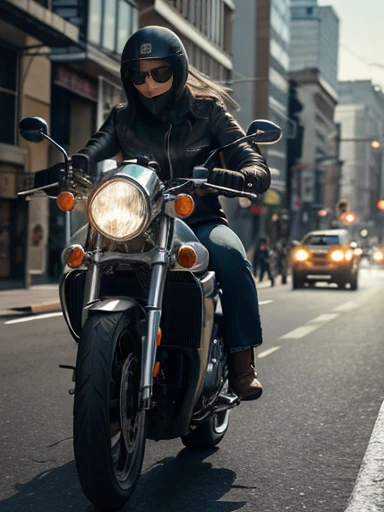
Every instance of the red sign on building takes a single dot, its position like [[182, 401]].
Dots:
[[79, 84]]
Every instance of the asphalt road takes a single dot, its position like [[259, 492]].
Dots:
[[298, 448]]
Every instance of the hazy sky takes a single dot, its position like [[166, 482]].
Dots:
[[361, 39]]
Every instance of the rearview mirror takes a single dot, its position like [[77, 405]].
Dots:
[[265, 132], [33, 129]]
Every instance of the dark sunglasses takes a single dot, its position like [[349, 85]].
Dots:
[[160, 75]]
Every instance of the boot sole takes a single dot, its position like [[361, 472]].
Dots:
[[254, 396]]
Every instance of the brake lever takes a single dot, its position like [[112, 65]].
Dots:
[[237, 193]]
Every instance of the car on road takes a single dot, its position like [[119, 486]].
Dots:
[[377, 257], [326, 256]]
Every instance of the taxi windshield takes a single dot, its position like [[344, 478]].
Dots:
[[322, 240]]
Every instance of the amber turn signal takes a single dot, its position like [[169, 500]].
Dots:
[[74, 256], [156, 369], [66, 201], [186, 256], [184, 205]]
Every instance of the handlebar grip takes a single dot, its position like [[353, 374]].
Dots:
[[200, 173]]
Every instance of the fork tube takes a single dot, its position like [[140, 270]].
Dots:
[[92, 279], [156, 290]]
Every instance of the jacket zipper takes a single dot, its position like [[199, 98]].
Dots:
[[167, 144]]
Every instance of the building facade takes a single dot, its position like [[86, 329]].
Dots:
[[361, 115], [204, 26], [62, 64], [313, 177], [260, 86]]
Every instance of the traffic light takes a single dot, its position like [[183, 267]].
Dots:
[[343, 206], [380, 204], [348, 217]]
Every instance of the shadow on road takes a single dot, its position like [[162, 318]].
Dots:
[[184, 482]]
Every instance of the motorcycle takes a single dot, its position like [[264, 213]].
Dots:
[[140, 300]]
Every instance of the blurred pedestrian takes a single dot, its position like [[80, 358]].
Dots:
[[262, 261]]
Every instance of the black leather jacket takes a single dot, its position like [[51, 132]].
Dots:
[[178, 141]]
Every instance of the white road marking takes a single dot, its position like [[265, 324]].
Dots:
[[264, 302], [300, 332], [368, 491], [347, 306], [323, 319], [309, 327], [35, 317], [267, 352]]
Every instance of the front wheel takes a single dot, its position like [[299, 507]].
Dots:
[[297, 282], [209, 433], [354, 282], [109, 429]]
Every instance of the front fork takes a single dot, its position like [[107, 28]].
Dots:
[[160, 266]]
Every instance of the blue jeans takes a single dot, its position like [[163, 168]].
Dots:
[[242, 327]]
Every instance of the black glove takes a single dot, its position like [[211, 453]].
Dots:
[[80, 162], [225, 178]]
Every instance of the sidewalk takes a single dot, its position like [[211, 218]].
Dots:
[[37, 299], [45, 298]]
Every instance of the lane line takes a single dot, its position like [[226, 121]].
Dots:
[[35, 317], [266, 353], [323, 319], [348, 306], [300, 332], [368, 493], [309, 327], [264, 302]]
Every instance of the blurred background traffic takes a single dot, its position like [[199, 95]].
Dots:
[[283, 59]]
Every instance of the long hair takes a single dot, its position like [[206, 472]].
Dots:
[[201, 85]]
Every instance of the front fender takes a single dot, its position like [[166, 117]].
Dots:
[[115, 305]]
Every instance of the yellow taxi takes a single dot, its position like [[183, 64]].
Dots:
[[325, 256]]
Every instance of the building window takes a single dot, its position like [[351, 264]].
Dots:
[[111, 23], [8, 95]]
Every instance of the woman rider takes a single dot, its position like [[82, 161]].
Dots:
[[176, 116]]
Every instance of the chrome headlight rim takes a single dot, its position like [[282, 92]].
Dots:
[[144, 196]]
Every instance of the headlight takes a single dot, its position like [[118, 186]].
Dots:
[[119, 210], [301, 255], [378, 256], [337, 256]]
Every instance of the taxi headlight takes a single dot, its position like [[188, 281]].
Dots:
[[119, 210], [337, 256], [378, 256], [301, 255]]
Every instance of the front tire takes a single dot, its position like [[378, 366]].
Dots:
[[209, 433], [297, 282], [109, 428], [354, 282]]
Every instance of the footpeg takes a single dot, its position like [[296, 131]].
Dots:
[[225, 402]]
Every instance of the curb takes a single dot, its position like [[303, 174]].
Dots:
[[368, 492], [45, 307]]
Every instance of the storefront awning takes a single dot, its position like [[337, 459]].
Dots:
[[41, 23]]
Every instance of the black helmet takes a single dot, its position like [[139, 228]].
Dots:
[[155, 42]]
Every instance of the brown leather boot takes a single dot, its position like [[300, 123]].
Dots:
[[242, 375]]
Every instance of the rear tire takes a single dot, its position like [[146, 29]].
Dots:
[[209, 433], [106, 403]]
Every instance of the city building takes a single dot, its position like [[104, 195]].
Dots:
[[361, 115], [313, 175], [260, 86], [204, 26], [61, 62]]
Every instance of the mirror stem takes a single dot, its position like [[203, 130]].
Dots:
[[62, 150]]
